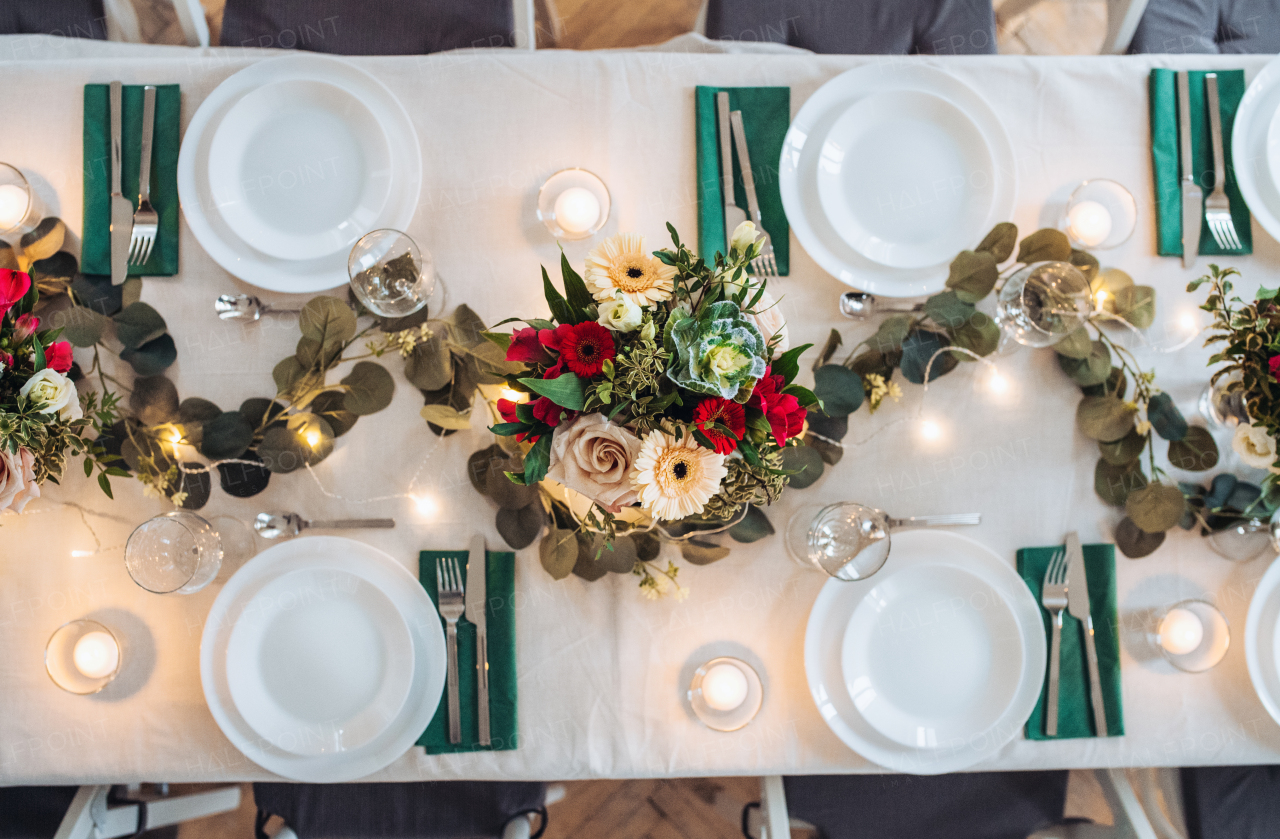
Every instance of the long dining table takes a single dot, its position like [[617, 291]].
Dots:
[[602, 671]]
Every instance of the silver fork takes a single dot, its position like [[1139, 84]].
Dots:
[[449, 594], [1217, 207], [947, 520], [764, 265], [1053, 595], [145, 219]]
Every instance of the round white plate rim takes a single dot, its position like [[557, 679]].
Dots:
[[229, 193], [807, 131], [248, 264], [1272, 145], [924, 566], [401, 664], [403, 589], [831, 197], [826, 681], [1260, 194], [1258, 637]]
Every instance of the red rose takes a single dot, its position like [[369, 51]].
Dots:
[[726, 413], [583, 348], [25, 326], [1274, 364], [526, 348], [14, 286], [58, 356], [551, 413], [782, 410], [507, 409]]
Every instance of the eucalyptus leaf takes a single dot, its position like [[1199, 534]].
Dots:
[[830, 452], [197, 485], [1104, 418], [876, 362], [94, 291], [226, 436], [558, 552], [330, 406], [194, 409], [1165, 417], [621, 558], [972, 275], [1000, 241], [154, 400], [1046, 245], [1124, 451], [45, 240], [833, 428], [519, 528], [1220, 489], [478, 467], [1077, 344], [948, 311], [980, 335], [260, 412], [891, 333], [446, 417], [81, 326], [1156, 507], [130, 291], [1137, 304], [753, 527], [244, 480], [918, 349], [430, 365], [315, 356], [1117, 384], [829, 349], [57, 270], [9, 258], [327, 320], [648, 546], [839, 388], [410, 321], [1195, 452], [805, 461], [700, 552], [1134, 542], [138, 324], [370, 388], [1113, 483], [1089, 371], [287, 373], [1086, 262], [586, 567], [505, 493], [153, 357], [282, 450], [468, 327]]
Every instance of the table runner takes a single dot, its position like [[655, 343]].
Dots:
[[602, 672]]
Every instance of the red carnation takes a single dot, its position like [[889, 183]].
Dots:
[[526, 348], [58, 356], [1274, 364], [14, 286], [782, 410], [583, 348], [726, 413], [551, 413]]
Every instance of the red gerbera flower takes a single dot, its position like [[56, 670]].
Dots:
[[584, 348], [1274, 364], [782, 410], [726, 413]]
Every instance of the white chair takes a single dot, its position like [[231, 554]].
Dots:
[[94, 814]]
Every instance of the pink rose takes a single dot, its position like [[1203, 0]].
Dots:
[[17, 479], [593, 456]]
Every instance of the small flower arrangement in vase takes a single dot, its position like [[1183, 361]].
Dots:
[[659, 400]]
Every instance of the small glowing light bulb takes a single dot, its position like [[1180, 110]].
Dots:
[[511, 395], [175, 436], [82, 553], [313, 438], [930, 430], [1190, 322], [1101, 297], [997, 383], [426, 505]]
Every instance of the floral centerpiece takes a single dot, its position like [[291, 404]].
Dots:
[[659, 397]]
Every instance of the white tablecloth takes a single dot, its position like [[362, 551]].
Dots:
[[602, 672]]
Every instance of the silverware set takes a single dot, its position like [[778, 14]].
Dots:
[[133, 233], [1066, 588], [730, 122], [246, 307], [282, 525], [456, 600], [1214, 210]]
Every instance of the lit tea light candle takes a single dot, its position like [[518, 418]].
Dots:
[[1089, 223], [1181, 631], [96, 654], [14, 201], [577, 210], [724, 687]]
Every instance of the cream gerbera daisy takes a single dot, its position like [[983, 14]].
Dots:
[[621, 264], [676, 478]]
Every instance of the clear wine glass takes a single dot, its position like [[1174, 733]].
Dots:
[[390, 275], [1043, 303], [174, 553], [846, 540]]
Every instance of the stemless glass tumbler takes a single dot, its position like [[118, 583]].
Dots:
[[1043, 303], [175, 553], [390, 275], [846, 540]]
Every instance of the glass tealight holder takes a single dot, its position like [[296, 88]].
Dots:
[[19, 205], [390, 274], [174, 553], [82, 657], [726, 693], [573, 204], [848, 541], [1242, 540], [1100, 214], [1193, 635], [1222, 403]]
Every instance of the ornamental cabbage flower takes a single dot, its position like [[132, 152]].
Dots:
[[718, 352]]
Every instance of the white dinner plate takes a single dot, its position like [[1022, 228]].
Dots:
[[823, 653], [1273, 149], [320, 661], [932, 654], [196, 194], [1262, 640], [409, 599], [801, 152], [300, 169], [1249, 148], [905, 177]]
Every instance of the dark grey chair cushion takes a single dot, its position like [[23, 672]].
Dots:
[[859, 27], [368, 27], [1208, 26], [68, 18], [980, 805], [1232, 802], [33, 812], [436, 810]]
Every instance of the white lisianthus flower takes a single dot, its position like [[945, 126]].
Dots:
[[53, 393], [768, 318], [1255, 446], [743, 237], [620, 315], [649, 331]]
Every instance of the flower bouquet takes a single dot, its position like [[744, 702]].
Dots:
[[658, 399]]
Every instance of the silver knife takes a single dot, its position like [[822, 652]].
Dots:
[[733, 214], [477, 564], [1078, 606], [1192, 195], [121, 207]]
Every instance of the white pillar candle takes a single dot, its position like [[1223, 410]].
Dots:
[[1090, 223], [96, 654], [577, 210], [724, 687], [14, 201], [1181, 631]]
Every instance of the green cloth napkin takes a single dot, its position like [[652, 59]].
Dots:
[[766, 114], [1167, 169], [1075, 713], [501, 613], [95, 250]]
